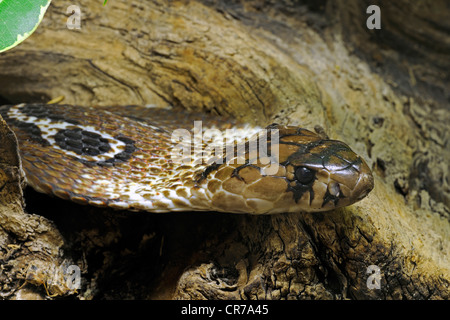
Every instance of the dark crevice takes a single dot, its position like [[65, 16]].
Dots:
[[3, 100], [325, 272]]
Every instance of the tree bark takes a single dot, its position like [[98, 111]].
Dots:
[[306, 63]]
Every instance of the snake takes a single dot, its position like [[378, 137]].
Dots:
[[126, 158]]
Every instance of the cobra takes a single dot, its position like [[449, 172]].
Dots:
[[100, 157]]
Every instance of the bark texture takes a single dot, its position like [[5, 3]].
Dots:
[[384, 92]]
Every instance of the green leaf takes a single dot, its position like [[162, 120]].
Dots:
[[19, 19]]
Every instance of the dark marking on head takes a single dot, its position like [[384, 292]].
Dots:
[[329, 197]]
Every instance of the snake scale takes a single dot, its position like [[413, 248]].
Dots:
[[123, 158]]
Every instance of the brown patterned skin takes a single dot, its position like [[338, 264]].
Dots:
[[96, 157]]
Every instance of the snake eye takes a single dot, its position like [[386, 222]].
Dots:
[[304, 175]]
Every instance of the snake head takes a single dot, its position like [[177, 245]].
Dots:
[[311, 174]]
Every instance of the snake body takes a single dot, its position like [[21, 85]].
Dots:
[[124, 161]]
